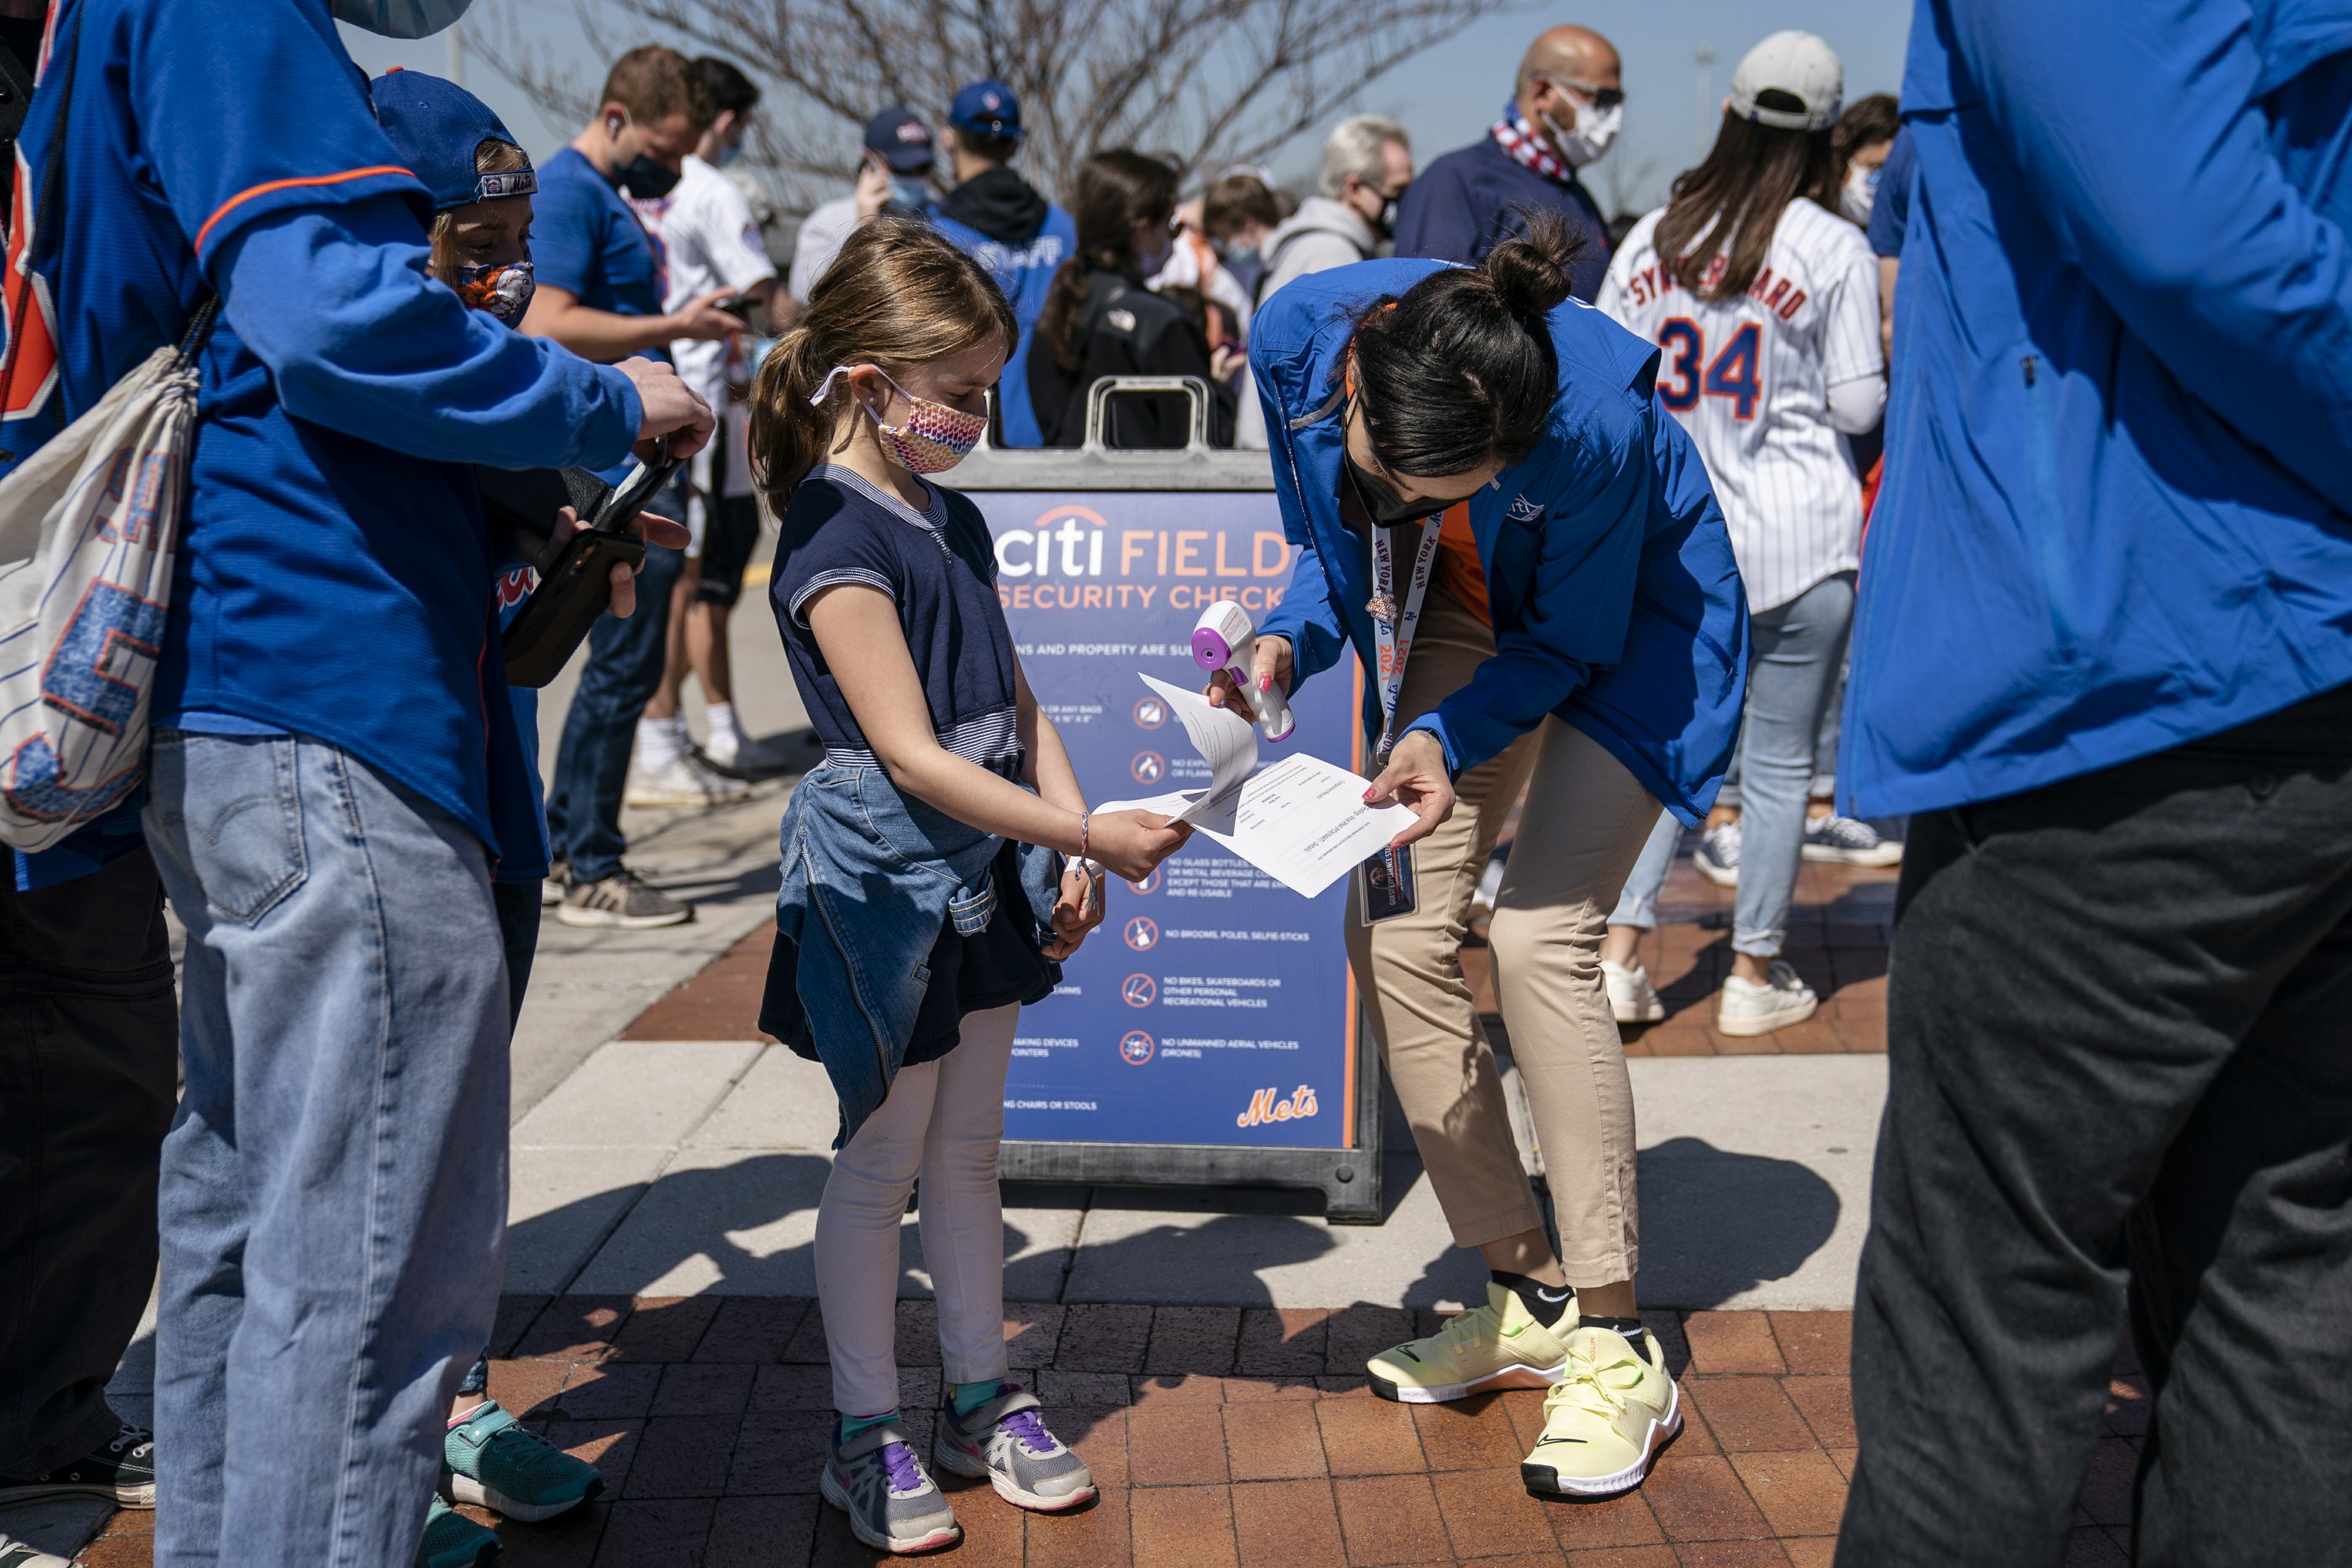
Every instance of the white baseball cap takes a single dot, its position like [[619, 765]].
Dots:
[[1799, 64]]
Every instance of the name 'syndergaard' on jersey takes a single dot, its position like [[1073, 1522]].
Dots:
[[1749, 377]]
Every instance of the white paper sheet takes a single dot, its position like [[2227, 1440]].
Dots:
[[1226, 742], [1302, 821]]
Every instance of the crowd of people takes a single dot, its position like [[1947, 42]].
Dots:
[[1593, 565]]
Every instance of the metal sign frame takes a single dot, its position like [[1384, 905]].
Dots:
[[1348, 1176]]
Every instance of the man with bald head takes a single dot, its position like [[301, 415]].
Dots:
[[1562, 114]]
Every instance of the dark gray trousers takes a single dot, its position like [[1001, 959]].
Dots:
[[90, 1044], [2119, 1035]]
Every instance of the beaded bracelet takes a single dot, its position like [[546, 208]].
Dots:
[[1085, 821]]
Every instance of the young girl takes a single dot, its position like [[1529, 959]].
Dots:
[[1764, 304], [923, 898]]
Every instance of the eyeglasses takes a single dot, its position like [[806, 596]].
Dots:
[[1601, 97]]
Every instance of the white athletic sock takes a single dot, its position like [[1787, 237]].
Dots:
[[722, 722], [660, 742]]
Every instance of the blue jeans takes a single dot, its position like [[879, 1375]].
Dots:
[[1638, 904], [1799, 652], [334, 1185], [623, 669]]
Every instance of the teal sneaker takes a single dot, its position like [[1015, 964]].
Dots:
[[453, 1540], [494, 1461]]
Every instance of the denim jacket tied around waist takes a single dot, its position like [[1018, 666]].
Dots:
[[869, 878]]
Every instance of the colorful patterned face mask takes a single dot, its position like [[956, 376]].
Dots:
[[503, 290], [934, 437]]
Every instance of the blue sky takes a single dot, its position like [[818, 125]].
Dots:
[[1444, 98]]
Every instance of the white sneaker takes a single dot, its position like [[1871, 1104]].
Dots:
[[1842, 841], [742, 757], [1718, 855], [1632, 997], [1748, 1008], [685, 783]]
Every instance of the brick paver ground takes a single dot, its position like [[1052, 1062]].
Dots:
[[1222, 1438], [1838, 931]]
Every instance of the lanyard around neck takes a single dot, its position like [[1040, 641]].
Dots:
[[1393, 623]]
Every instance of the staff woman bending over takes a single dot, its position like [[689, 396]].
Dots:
[[1490, 508]]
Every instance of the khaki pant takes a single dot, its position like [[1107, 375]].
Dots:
[[1585, 822]]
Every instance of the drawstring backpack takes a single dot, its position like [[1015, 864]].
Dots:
[[89, 527]]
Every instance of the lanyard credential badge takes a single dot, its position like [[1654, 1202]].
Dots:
[[1393, 623]]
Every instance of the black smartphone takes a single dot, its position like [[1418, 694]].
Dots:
[[744, 308], [578, 588]]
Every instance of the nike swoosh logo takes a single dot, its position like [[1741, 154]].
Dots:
[[1545, 1295]]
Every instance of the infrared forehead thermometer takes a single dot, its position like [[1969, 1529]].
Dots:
[[1227, 639]]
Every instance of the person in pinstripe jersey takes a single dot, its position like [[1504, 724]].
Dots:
[[1763, 302]]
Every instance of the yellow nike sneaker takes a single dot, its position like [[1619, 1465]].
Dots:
[[1498, 1345], [1606, 1419]]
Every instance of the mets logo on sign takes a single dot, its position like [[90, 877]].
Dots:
[[1265, 1108], [1143, 933], [1138, 991], [1135, 1048]]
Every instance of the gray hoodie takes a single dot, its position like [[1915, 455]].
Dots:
[[1322, 234]]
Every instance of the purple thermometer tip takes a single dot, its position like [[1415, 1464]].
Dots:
[[1210, 651]]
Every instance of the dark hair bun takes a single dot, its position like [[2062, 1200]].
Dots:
[[1530, 274]]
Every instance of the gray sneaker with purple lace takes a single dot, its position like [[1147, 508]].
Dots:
[[893, 1506], [1006, 1441]]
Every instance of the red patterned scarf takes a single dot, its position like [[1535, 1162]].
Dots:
[[1518, 138]]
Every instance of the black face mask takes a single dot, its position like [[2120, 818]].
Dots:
[[1385, 225], [1381, 499], [647, 179]]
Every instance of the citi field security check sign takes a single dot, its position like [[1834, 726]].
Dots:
[[1213, 1005]]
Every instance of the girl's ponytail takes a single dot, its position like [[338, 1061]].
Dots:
[[788, 434], [898, 296]]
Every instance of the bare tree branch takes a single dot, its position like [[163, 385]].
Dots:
[[1214, 82]]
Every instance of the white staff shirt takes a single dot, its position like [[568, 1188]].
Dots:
[[1749, 378], [712, 241]]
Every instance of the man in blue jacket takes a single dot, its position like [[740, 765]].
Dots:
[[2102, 658], [332, 774], [999, 217], [1564, 111]]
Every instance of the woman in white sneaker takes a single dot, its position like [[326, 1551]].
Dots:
[[1763, 302]]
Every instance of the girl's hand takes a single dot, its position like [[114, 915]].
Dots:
[[1133, 842], [1269, 666], [1415, 775], [1077, 912]]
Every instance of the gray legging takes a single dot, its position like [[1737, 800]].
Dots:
[[1800, 653]]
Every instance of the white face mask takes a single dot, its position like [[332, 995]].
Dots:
[[400, 18], [1588, 138], [1860, 192]]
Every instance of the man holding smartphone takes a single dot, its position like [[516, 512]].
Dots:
[[895, 171], [601, 294], [712, 242]]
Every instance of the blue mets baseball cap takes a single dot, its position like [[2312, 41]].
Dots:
[[987, 108], [434, 126]]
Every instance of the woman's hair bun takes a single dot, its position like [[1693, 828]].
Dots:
[[1530, 274]]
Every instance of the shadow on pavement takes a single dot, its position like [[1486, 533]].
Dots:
[[1715, 1223]]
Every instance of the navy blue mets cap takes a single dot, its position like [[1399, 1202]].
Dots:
[[900, 139], [435, 125]]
